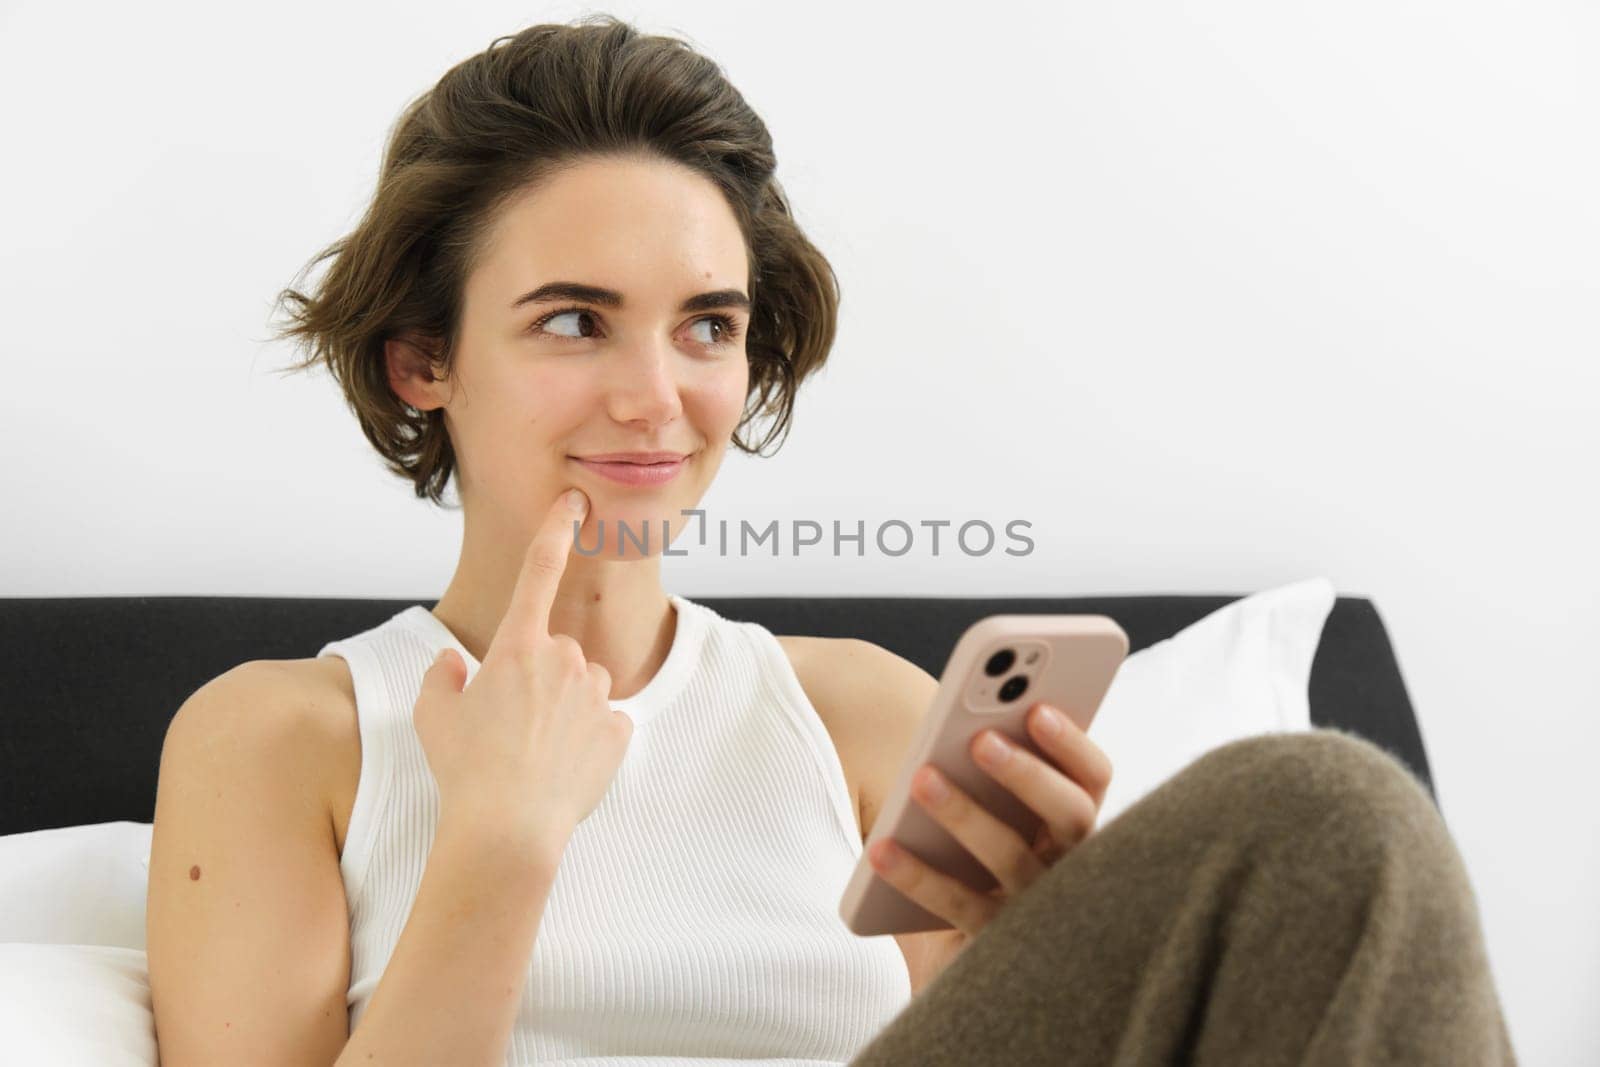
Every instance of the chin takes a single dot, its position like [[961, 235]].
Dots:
[[646, 521]]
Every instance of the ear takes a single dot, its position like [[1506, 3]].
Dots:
[[412, 376]]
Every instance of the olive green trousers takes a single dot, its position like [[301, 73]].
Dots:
[[1285, 899]]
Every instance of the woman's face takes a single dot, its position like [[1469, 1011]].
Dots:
[[546, 377]]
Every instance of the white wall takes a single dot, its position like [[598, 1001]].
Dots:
[[1217, 296]]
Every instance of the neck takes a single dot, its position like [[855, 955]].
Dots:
[[616, 609]]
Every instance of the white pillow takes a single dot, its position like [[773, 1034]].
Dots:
[[1241, 671], [73, 1005], [75, 885]]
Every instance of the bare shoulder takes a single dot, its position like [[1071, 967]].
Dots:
[[308, 707], [280, 697], [313, 692], [850, 668], [872, 701]]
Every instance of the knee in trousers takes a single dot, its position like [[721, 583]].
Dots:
[[1326, 782]]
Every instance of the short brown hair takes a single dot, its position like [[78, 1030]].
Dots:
[[493, 126]]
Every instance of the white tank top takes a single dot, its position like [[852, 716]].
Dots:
[[694, 915]]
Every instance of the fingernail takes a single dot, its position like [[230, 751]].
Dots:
[[933, 787], [993, 749], [1049, 720], [886, 855], [576, 501]]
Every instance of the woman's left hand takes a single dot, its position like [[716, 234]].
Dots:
[[1066, 791]]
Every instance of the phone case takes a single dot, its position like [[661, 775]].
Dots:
[[1068, 662]]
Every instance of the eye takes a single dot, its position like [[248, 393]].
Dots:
[[725, 328], [729, 328], [538, 327]]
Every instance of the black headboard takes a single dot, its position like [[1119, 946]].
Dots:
[[90, 683]]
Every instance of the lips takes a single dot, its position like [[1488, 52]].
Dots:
[[636, 468], [634, 457]]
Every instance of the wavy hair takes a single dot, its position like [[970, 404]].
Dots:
[[497, 124]]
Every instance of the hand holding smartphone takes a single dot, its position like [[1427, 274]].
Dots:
[[1001, 667]]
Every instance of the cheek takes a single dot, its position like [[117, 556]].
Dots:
[[550, 402], [724, 394]]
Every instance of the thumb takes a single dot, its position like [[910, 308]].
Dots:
[[442, 673]]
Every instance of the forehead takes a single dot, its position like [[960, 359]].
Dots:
[[650, 227]]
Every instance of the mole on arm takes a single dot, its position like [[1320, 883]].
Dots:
[[194, 874]]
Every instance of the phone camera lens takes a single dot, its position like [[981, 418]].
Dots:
[[1013, 687], [999, 663]]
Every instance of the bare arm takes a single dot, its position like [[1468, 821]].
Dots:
[[246, 932], [247, 929]]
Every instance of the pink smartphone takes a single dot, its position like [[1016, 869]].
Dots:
[[1001, 667]]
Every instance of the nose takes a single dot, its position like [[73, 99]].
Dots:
[[645, 389]]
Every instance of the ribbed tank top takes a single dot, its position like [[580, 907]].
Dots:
[[694, 914]]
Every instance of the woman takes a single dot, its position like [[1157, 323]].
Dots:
[[609, 822]]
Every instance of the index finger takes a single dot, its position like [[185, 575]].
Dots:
[[528, 614]]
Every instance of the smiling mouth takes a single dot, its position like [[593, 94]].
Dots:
[[634, 473], [640, 459]]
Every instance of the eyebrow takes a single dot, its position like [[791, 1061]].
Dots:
[[594, 294]]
